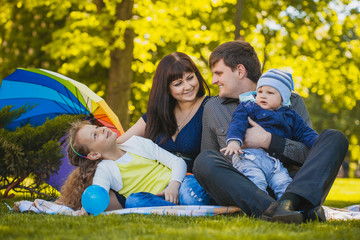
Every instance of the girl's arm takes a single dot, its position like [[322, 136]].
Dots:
[[138, 129], [146, 148], [171, 192], [178, 171], [107, 175], [176, 164]]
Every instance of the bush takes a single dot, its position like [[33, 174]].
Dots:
[[29, 152]]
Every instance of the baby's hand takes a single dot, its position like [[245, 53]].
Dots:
[[171, 192], [232, 147]]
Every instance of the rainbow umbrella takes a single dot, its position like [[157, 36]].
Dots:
[[53, 94]]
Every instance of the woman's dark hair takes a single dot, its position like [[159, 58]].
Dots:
[[160, 112]]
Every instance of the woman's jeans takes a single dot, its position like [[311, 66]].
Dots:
[[190, 193]]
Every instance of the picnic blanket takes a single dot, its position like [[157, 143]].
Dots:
[[43, 206]]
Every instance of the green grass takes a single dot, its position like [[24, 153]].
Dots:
[[345, 192]]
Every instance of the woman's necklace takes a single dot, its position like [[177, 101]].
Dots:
[[180, 124]]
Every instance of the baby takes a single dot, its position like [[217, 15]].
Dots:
[[270, 109]]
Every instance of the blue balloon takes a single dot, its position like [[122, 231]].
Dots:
[[95, 199]]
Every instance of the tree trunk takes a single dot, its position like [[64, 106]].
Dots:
[[239, 7], [266, 43], [121, 75]]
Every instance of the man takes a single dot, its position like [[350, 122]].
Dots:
[[236, 70]]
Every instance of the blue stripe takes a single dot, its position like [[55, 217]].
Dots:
[[24, 76], [284, 77], [42, 109]]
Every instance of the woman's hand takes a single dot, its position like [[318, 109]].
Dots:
[[171, 192]]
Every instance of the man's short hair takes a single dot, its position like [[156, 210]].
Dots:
[[238, 52]]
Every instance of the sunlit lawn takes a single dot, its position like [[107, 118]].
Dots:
[[345, 192]]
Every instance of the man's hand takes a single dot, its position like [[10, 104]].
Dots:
[[171, 192], [232, 147], [256, 137]]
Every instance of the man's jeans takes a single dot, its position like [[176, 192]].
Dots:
[[190, 193]]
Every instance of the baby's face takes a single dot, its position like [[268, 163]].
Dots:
[[268, 98]]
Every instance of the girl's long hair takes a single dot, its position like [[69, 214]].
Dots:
[[160, 119], [82, 176]]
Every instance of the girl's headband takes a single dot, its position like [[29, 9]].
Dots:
[[76, 151]]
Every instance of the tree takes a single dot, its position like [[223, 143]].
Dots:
[[110, 45], [120, 36], [317, 41], [23, 32]]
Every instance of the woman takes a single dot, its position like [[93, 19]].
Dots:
[[174, 114]]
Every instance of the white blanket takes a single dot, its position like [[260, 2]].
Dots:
[[42, 206]]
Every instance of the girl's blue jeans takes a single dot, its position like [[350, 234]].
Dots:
[[190, 193]]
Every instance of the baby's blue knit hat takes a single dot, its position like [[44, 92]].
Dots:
[[281, 81]]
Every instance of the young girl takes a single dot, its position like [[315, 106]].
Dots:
[[137, 165]]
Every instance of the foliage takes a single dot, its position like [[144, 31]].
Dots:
[[7, 114], [138, 226], [30, 152], [24, 30], [315, 40]]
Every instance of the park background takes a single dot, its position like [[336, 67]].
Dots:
[[114, 46]]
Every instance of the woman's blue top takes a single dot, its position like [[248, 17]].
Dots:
[[188, 141]]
